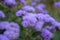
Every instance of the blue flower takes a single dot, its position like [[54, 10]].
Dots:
[[57, 4], [2, 37], [29, 19], [10, 3], [39, 25], [21, 13], [46, 34], [2, 15], [29, 8]]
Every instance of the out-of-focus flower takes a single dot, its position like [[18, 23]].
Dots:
[[45, 12], [30, 19], [57, 4], [21, 13], [4, 25], [40, 17], [10, 3], [57, 25], [51, 28], [25, 24], [2, 37], [2, 15], [41, 6], [11, 35], [23, 2], [11, 30], [39, 25], [46, 34], [29, 8]]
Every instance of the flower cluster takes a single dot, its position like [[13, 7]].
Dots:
[[36, 17], [11, 30]]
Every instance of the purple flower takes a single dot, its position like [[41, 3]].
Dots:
[[47, 39], [40, 17], [21, 13], [46, 34], [11, 35], [57, 4], [39, 9], [57, 25], [51, 28], [41, 6], [48, 18], [34, 2], [30, 19], [23, 2], [25, 24], [11, 30], [2, 15], [45, 12], [13, 27], [2, 37], [11, 3], [4, 25], [29, 8], [39, 25]]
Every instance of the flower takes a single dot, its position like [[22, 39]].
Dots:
[[4, 25], [11, 30], [28, 8], [2, 37], [39, 25], [46, 34], [21, 13], [29, 19], [57, 4], [23, 2], [2, 15], [11, 35], [40, 17], [10, 3]]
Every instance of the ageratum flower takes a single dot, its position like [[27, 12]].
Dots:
[[57, 25], [51, 28], [11, 30], [2, 15], [29, 8], [11, 35], [2, 37], [34, 2], [45, 12], [4, 25], [30, 19], [57, 4], [10, 3], [21, 13], [46, 34], [39, 25], [25, 24], [23, 2], [47, 39], [40, 8], [40, 17], [13, 27], [48, 18]]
